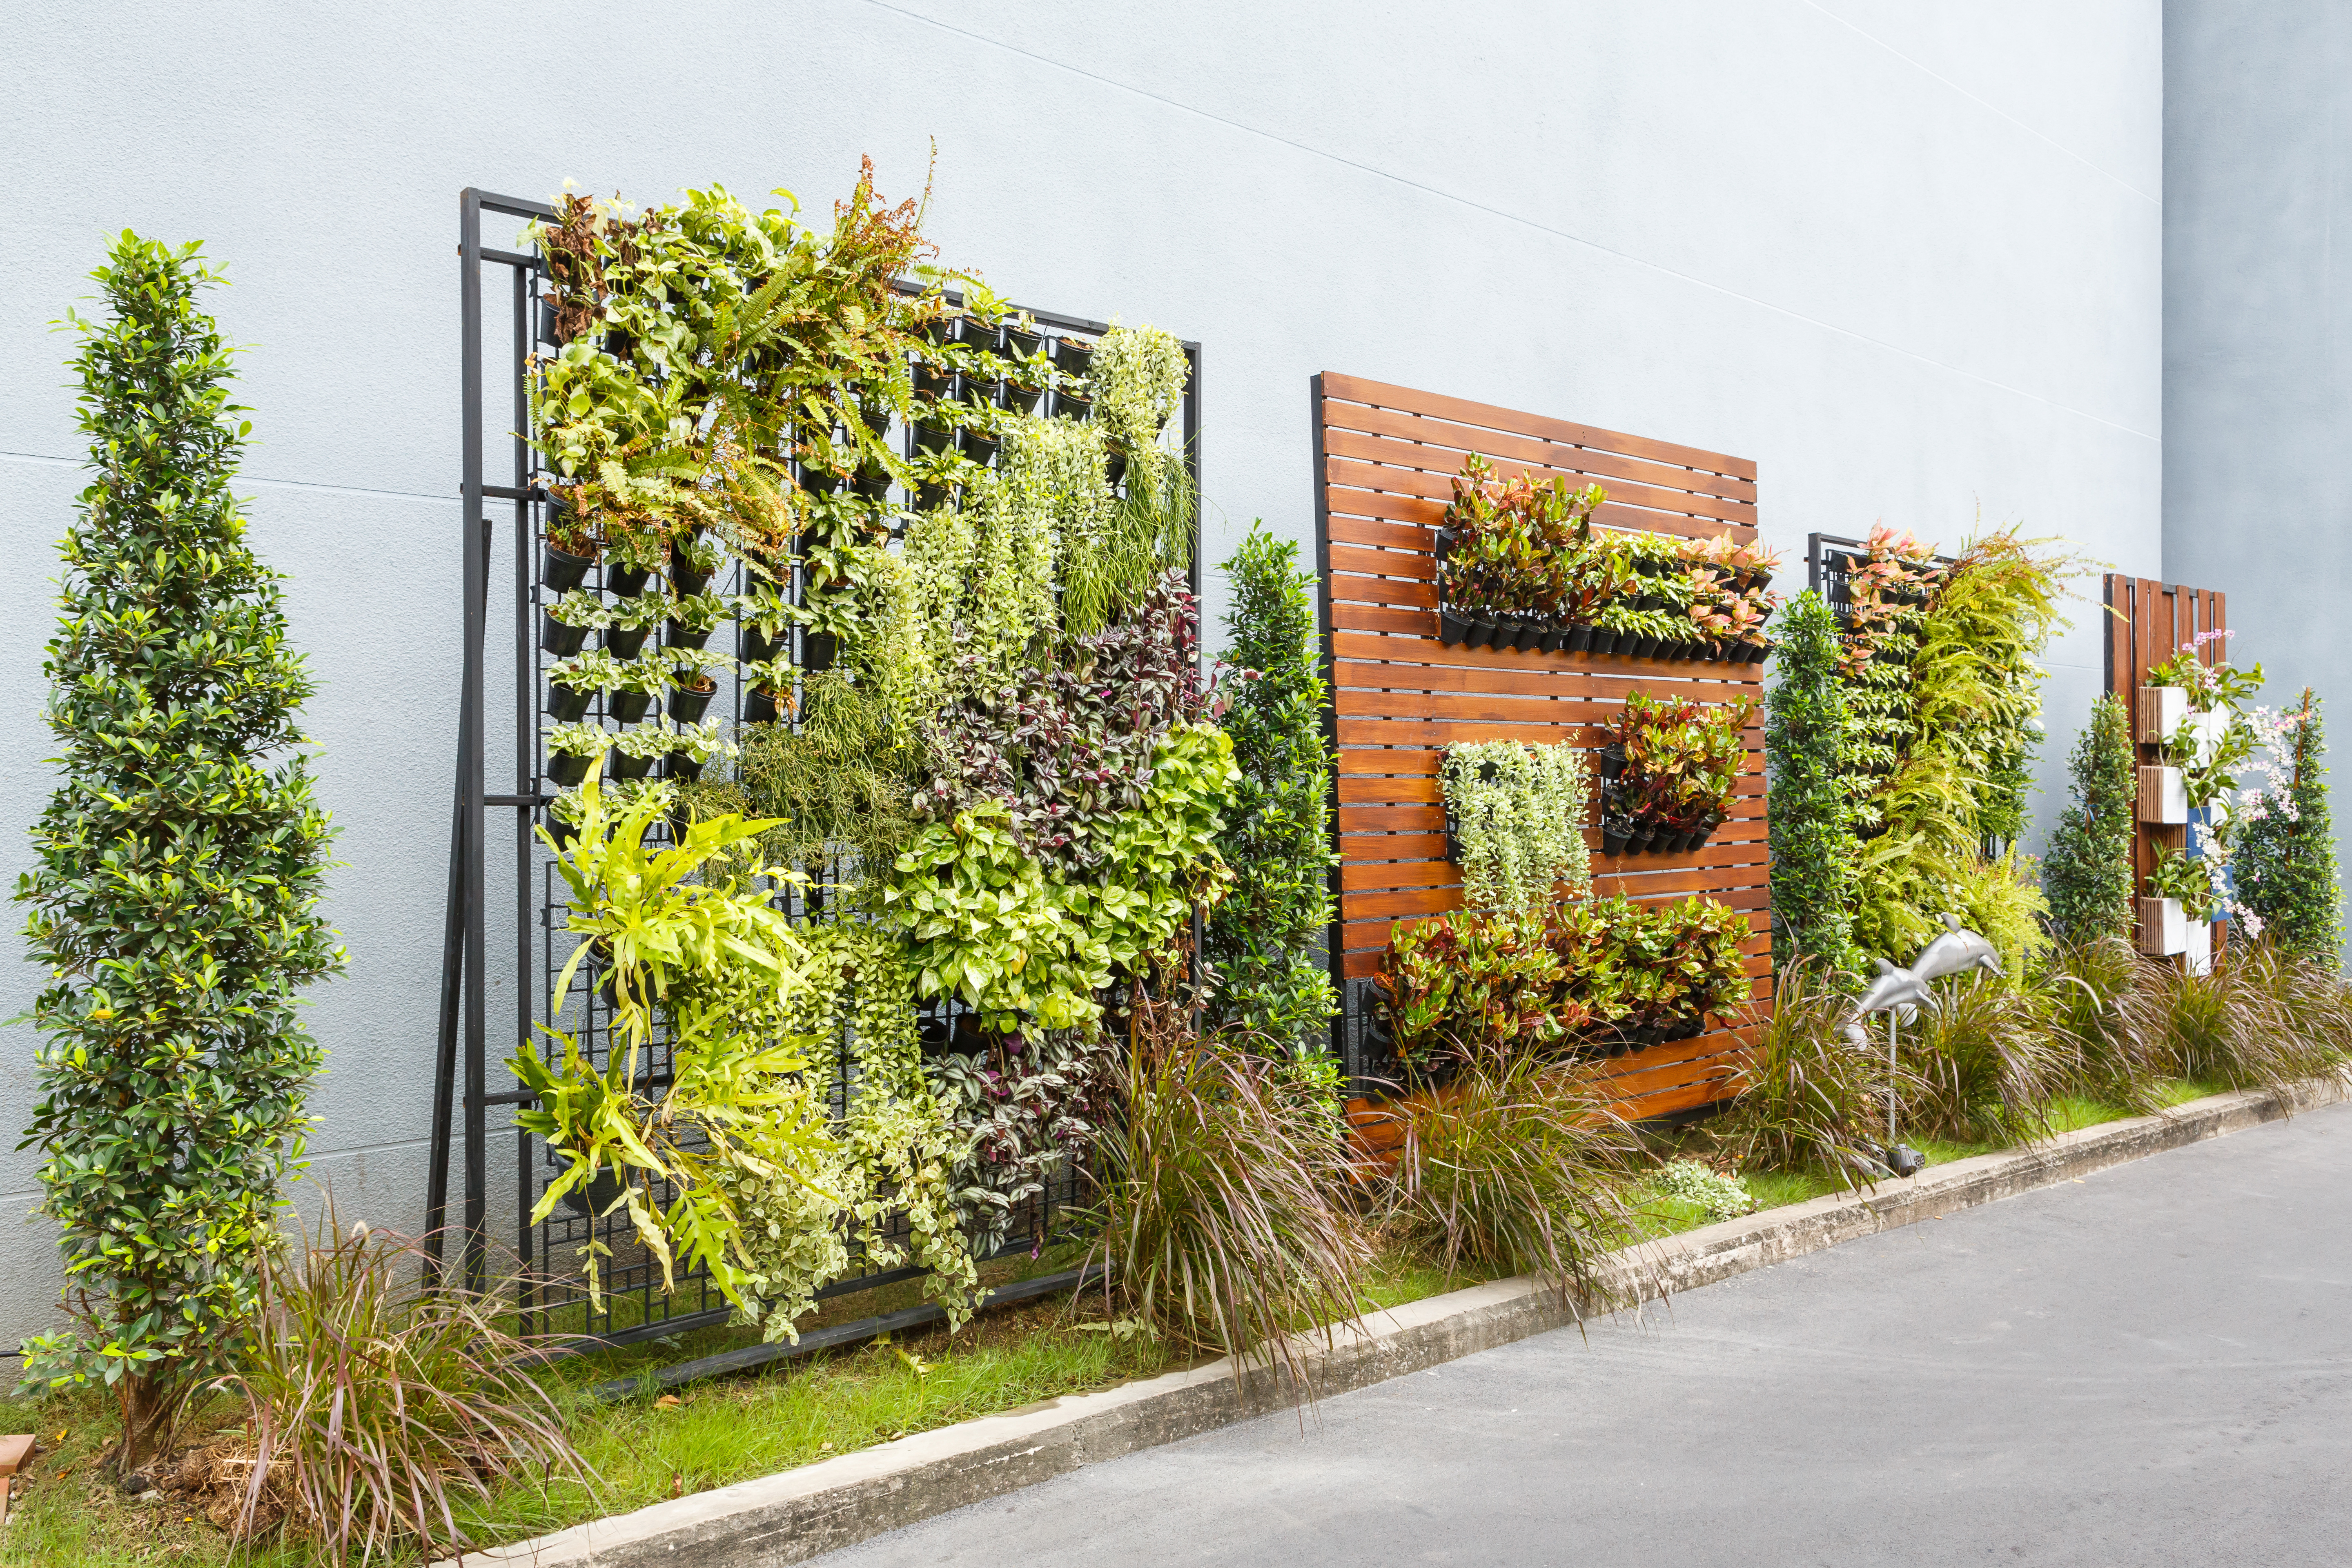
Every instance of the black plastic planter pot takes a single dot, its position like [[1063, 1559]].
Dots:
[[1609, 762], [628, 707], [1115, 468], [677, 634], [558, 638], [979, 448], [1452, 627], [565, 769], [817, 650], [753, 646], [1576, 639], [682, 767], [759, 707], [564, 705], [1481, 633], [685, 580], [1073, 357], [933, 381], [623, 644], [930, 438], [1598, 641], [1638, 842], [1020, 399], [603, 1190], [685, 705], [976, 335], [976, 392], [626, 583], [1070, 405], [1615, 832], [628, 767], [930, 497], [1550, 638], [559, 568]]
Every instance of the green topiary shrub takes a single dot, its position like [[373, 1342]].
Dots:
[[2088, 875], [2286, 864], [1813, 834], [179, 866], [1267, 940]]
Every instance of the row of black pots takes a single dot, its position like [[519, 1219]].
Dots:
[[564, 769], [568, 705], [1521, 636], [561, 571], [1631, 835], [563, 641]]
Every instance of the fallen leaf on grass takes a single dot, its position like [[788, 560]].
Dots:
[[668, 1402]]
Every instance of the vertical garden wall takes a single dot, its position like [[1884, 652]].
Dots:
[[2151, 624], [1408, 685]]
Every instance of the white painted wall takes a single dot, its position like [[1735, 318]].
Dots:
[[1905, 257]]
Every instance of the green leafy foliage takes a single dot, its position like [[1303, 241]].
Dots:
[[178, 867], [2088, 875], [1518, 812], [1814, 846], [2286, 864], [1266, 940]]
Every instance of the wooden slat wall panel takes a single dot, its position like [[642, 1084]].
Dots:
[[2147, 621], [1389, 456]]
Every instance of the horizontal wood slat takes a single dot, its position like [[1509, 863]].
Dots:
[[1400, 697], [1340, 389]]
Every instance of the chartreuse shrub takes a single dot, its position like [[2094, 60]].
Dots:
[[1268, 939], [177, 869], [2286, 864], [2088, 875], [1813, 838]]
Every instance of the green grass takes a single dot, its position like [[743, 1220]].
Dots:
[[792, 1412]]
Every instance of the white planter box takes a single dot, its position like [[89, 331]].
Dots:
[[2208, 728], [2200, 947], [2161, 710], [2163, 796], [2163, 928]]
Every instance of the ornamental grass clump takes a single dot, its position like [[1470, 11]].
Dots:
[[1808, 1095], [2092, 991], [1224, 1227], [2258, 1019], [1985, 1065], [370, 1400], [177, 870], [1516, 1165]]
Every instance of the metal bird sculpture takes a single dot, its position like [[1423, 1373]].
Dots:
[[1901, 992]]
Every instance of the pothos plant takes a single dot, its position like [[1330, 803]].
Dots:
[[1515, 813]]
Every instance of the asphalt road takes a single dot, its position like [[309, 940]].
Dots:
[[2152, 1366]]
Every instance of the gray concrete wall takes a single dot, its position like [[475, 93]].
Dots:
[[1905, 257], [2258, 333]]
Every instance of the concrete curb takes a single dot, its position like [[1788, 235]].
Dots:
[[805, 1512]]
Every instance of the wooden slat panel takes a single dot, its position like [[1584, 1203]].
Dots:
[[1418, 623], [1373, 461], [1340, 388], [1451, 444]]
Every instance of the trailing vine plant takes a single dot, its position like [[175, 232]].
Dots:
[[1517, 812], [178, 867]]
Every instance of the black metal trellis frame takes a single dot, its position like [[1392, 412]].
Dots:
[[462, 1097], [1829, 562]]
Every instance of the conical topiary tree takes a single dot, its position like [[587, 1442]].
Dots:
[[179, 864], [2285, 866], [1814, 850], [2088, 875]]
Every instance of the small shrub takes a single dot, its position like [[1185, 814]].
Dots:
[[369, 1402], [1222, 1227], [1809, 1096], [2286, 864], [1717, 1195], [1986, 1065], [2088, 875], [1516, 1166]]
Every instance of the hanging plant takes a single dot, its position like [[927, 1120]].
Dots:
[[1515, 814]]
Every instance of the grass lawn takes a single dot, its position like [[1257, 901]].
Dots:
[[647, 1448]]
